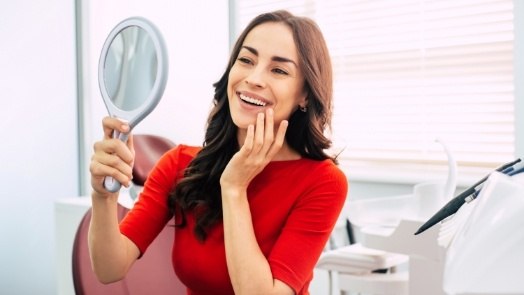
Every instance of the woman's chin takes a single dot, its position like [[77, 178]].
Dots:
[[242, 126], [244, 121]]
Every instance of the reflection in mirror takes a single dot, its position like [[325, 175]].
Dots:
[[130, 68]]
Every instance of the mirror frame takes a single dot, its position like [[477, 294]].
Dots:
[[133, 117]]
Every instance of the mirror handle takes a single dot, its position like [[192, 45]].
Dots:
[[111, 184]]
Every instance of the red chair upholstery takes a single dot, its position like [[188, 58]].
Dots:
[[148, 149], [151, 274]]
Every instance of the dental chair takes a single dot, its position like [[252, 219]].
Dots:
[[148, 150], [153, 272], [392, 261], [356, 269]]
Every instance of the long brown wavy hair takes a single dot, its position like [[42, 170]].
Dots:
[[199, 189]]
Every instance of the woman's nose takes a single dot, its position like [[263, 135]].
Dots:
[[256, 78]]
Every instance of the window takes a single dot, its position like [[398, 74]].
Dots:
[[408, 72]]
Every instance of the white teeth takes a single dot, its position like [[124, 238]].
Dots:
[[252, 100]]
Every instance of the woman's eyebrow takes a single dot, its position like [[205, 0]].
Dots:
[[274, 58]]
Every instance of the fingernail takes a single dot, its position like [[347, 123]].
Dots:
[[125, 127]]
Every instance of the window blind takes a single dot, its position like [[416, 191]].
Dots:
[[410, 71]]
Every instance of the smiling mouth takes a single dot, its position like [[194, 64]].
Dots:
[[252, 101]]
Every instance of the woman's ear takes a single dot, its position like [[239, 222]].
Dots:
[[303, 100]]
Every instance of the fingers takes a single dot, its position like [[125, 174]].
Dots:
[[112, 157], [110, 165], [113, 145], [261, 145], [131, 147], [259, 134], [248, 142], [110, 124], [260, 139], [279, 139], [269, 130]]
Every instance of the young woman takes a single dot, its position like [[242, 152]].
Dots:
[[255, 205]]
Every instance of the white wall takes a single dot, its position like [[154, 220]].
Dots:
[[39, 158], [197, 36], [38, 137]]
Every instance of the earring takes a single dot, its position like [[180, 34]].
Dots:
[[303, 109]]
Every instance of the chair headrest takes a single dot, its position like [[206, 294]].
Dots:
[[148, 150]]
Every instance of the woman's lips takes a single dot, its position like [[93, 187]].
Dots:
[[252, 99]]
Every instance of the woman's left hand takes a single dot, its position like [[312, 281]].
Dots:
[[260, 146]]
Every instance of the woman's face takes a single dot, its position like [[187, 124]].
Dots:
[[266, 75]]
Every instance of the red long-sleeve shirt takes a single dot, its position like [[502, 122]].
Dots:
[[294, 206]]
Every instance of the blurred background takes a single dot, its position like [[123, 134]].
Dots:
[[406, 72]]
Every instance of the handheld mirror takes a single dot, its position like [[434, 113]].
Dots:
[[132, 74]]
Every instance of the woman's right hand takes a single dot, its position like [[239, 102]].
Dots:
[[112, 157], [112, 253]]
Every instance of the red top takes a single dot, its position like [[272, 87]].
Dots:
[[294, 206]]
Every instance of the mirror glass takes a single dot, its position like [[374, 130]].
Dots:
[[130, 68], [132, 71]]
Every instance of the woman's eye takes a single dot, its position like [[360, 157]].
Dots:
[[280, 71], [244, 60]]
